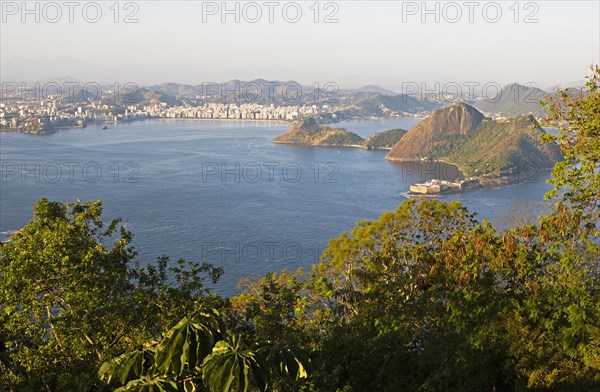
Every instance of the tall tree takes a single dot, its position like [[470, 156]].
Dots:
[[72, 296]]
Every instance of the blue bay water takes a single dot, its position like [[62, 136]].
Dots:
[[220, 191]]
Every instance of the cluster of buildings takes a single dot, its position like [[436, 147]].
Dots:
[[437, 187], [45, 115], [247, 111]]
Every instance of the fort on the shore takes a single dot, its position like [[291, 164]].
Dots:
[[437, 187]]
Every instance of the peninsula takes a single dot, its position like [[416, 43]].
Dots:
[[487, 152], [498, 152]]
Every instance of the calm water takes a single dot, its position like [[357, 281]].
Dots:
[[365, 129], [221, 191]]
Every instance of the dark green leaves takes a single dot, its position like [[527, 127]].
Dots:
[[146, 384], [287, 362], [192, 355], [231, 364], [186, 345], [124, 367]]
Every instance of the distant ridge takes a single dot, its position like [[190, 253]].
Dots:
[[366, 102], [376, 89], [513, 100], [258, 91], [147, 96]]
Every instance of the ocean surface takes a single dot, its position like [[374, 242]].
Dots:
[[220, 191]]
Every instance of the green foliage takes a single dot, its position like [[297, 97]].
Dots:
[[173, 360], [126, 366], [429, 299], [183, 347], [510, 148], [145, 384], [420, 280], [340, 137], [72, 295], [384, 140], [195, 354], [576, 179], [229, 365]]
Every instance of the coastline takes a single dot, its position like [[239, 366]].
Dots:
[[105, 123], [318, 145], [485, 182]]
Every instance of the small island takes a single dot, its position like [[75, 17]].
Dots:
[[309, 132]]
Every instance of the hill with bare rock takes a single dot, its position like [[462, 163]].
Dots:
[[457, 119], [497, 151]]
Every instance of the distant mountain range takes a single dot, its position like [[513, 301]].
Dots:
[[125, 97], [365, 102], [336, 104], [258, 91]]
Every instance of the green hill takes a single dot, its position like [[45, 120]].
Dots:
[[384, 140], [310, 133], [497, 151]]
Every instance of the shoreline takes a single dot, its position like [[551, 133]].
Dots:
[[106, 123], [274, 121], [485, 183], [318, 145]]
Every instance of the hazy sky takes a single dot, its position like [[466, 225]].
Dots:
[[375, 42]]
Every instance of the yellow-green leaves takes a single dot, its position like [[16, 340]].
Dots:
[[229, 366]]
